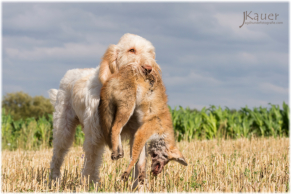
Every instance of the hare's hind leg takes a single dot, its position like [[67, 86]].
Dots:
[[139, 172], [140, 138]]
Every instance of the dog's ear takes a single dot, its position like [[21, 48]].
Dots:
[[176, 155], [108, 63]]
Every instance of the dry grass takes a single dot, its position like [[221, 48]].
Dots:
[[259, 165]]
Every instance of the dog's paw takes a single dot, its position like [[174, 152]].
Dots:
[[124, 176]]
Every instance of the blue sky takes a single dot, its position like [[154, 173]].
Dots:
[[206, 59]]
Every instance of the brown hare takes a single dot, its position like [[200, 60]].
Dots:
[[138, 93]]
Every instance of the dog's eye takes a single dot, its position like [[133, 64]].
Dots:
[[155, 155], [165, 156], [132, 50]]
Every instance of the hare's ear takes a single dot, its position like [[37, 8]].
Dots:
[[176, 155], [108, 63]]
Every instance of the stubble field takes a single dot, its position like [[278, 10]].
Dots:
[[243, 165]]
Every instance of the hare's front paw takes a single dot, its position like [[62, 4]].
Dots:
[[115, 155]]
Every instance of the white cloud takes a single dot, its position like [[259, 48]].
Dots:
[[70, 51], [232, 21], [204, 55], [190, 79], [10, 88], [272, 88]]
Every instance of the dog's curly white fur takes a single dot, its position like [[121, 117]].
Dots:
[[77, 99]]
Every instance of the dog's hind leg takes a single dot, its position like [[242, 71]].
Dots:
[[65, 122]]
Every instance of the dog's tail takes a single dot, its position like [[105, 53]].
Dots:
[[53, 95]]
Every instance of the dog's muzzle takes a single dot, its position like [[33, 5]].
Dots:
[[147, 68]]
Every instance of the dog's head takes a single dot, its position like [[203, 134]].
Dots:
[[131, 50], [161, 154]]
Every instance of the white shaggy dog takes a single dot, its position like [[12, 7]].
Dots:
[[77, 99]]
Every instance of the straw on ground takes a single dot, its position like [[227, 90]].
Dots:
[[256, 165]]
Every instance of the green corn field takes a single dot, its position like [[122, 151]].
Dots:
[[215, 122], [209, 123]]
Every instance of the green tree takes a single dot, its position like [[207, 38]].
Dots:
[[21, 106]]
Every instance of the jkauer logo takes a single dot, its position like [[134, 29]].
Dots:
[[262, 18]]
